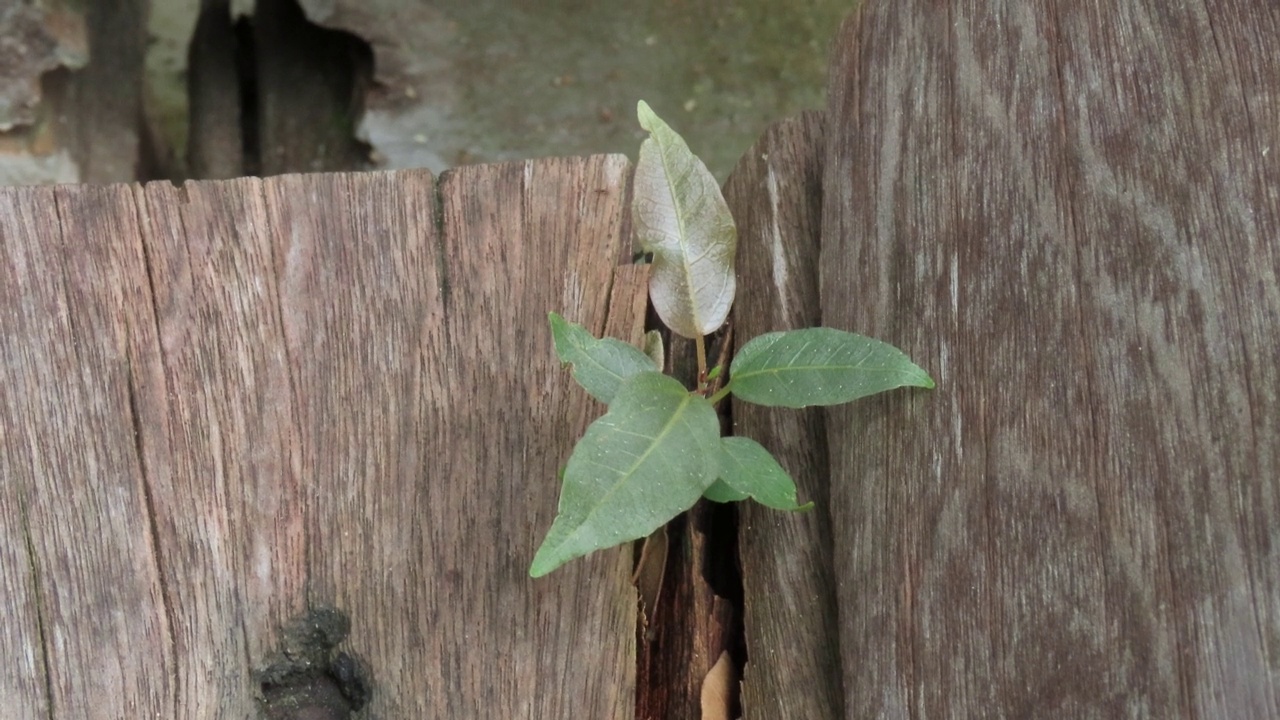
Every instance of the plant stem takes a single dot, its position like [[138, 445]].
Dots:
[[702, 361], [719, 395]]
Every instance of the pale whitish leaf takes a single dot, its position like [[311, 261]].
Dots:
[[599, 364], [645, 461], [654, 348], [747, 469], [682, 219], [819, 366]]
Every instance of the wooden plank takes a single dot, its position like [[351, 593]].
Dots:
[[27, 681], [85, 624], [1069, 215], [303, 394], [447, 424], [628, 302], [793, 666], [220, 437]]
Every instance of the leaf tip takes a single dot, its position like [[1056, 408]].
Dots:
[[645, 114], [542, 564]]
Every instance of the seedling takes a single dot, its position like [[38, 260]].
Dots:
[[658, 449]]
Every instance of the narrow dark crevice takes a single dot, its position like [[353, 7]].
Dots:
[[246, 62], [721, 564], [700, 607], [698, 615], [661, 660]]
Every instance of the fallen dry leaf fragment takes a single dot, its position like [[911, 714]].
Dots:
[[719, 688], [649, 572]]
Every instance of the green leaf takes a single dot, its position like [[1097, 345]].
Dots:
[[682, 219], [721, 492], [599, 364], [654, 349], [819, 366], [645, 461], [748, 469]]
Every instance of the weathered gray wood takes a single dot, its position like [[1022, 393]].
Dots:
[[218, 423], [85, 629], [1069, 215], [793, 667], [306, 395]]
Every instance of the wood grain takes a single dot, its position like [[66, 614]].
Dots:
[[1069, 215], [793, 658], [628, 302], [219, 437], [230, 402], [86, 630]]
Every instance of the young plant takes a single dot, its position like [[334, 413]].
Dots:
[[657, 448]]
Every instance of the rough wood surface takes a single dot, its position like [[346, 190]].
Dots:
[[86, 628], [229, 402], [628, 302], [1067, 213], [793, 658]]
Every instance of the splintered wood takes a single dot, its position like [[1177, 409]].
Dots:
[[231, 401]]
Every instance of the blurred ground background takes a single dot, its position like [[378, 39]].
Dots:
[[514, 79], [123, 90]]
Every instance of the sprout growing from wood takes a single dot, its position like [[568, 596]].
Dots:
[[658, 449]]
